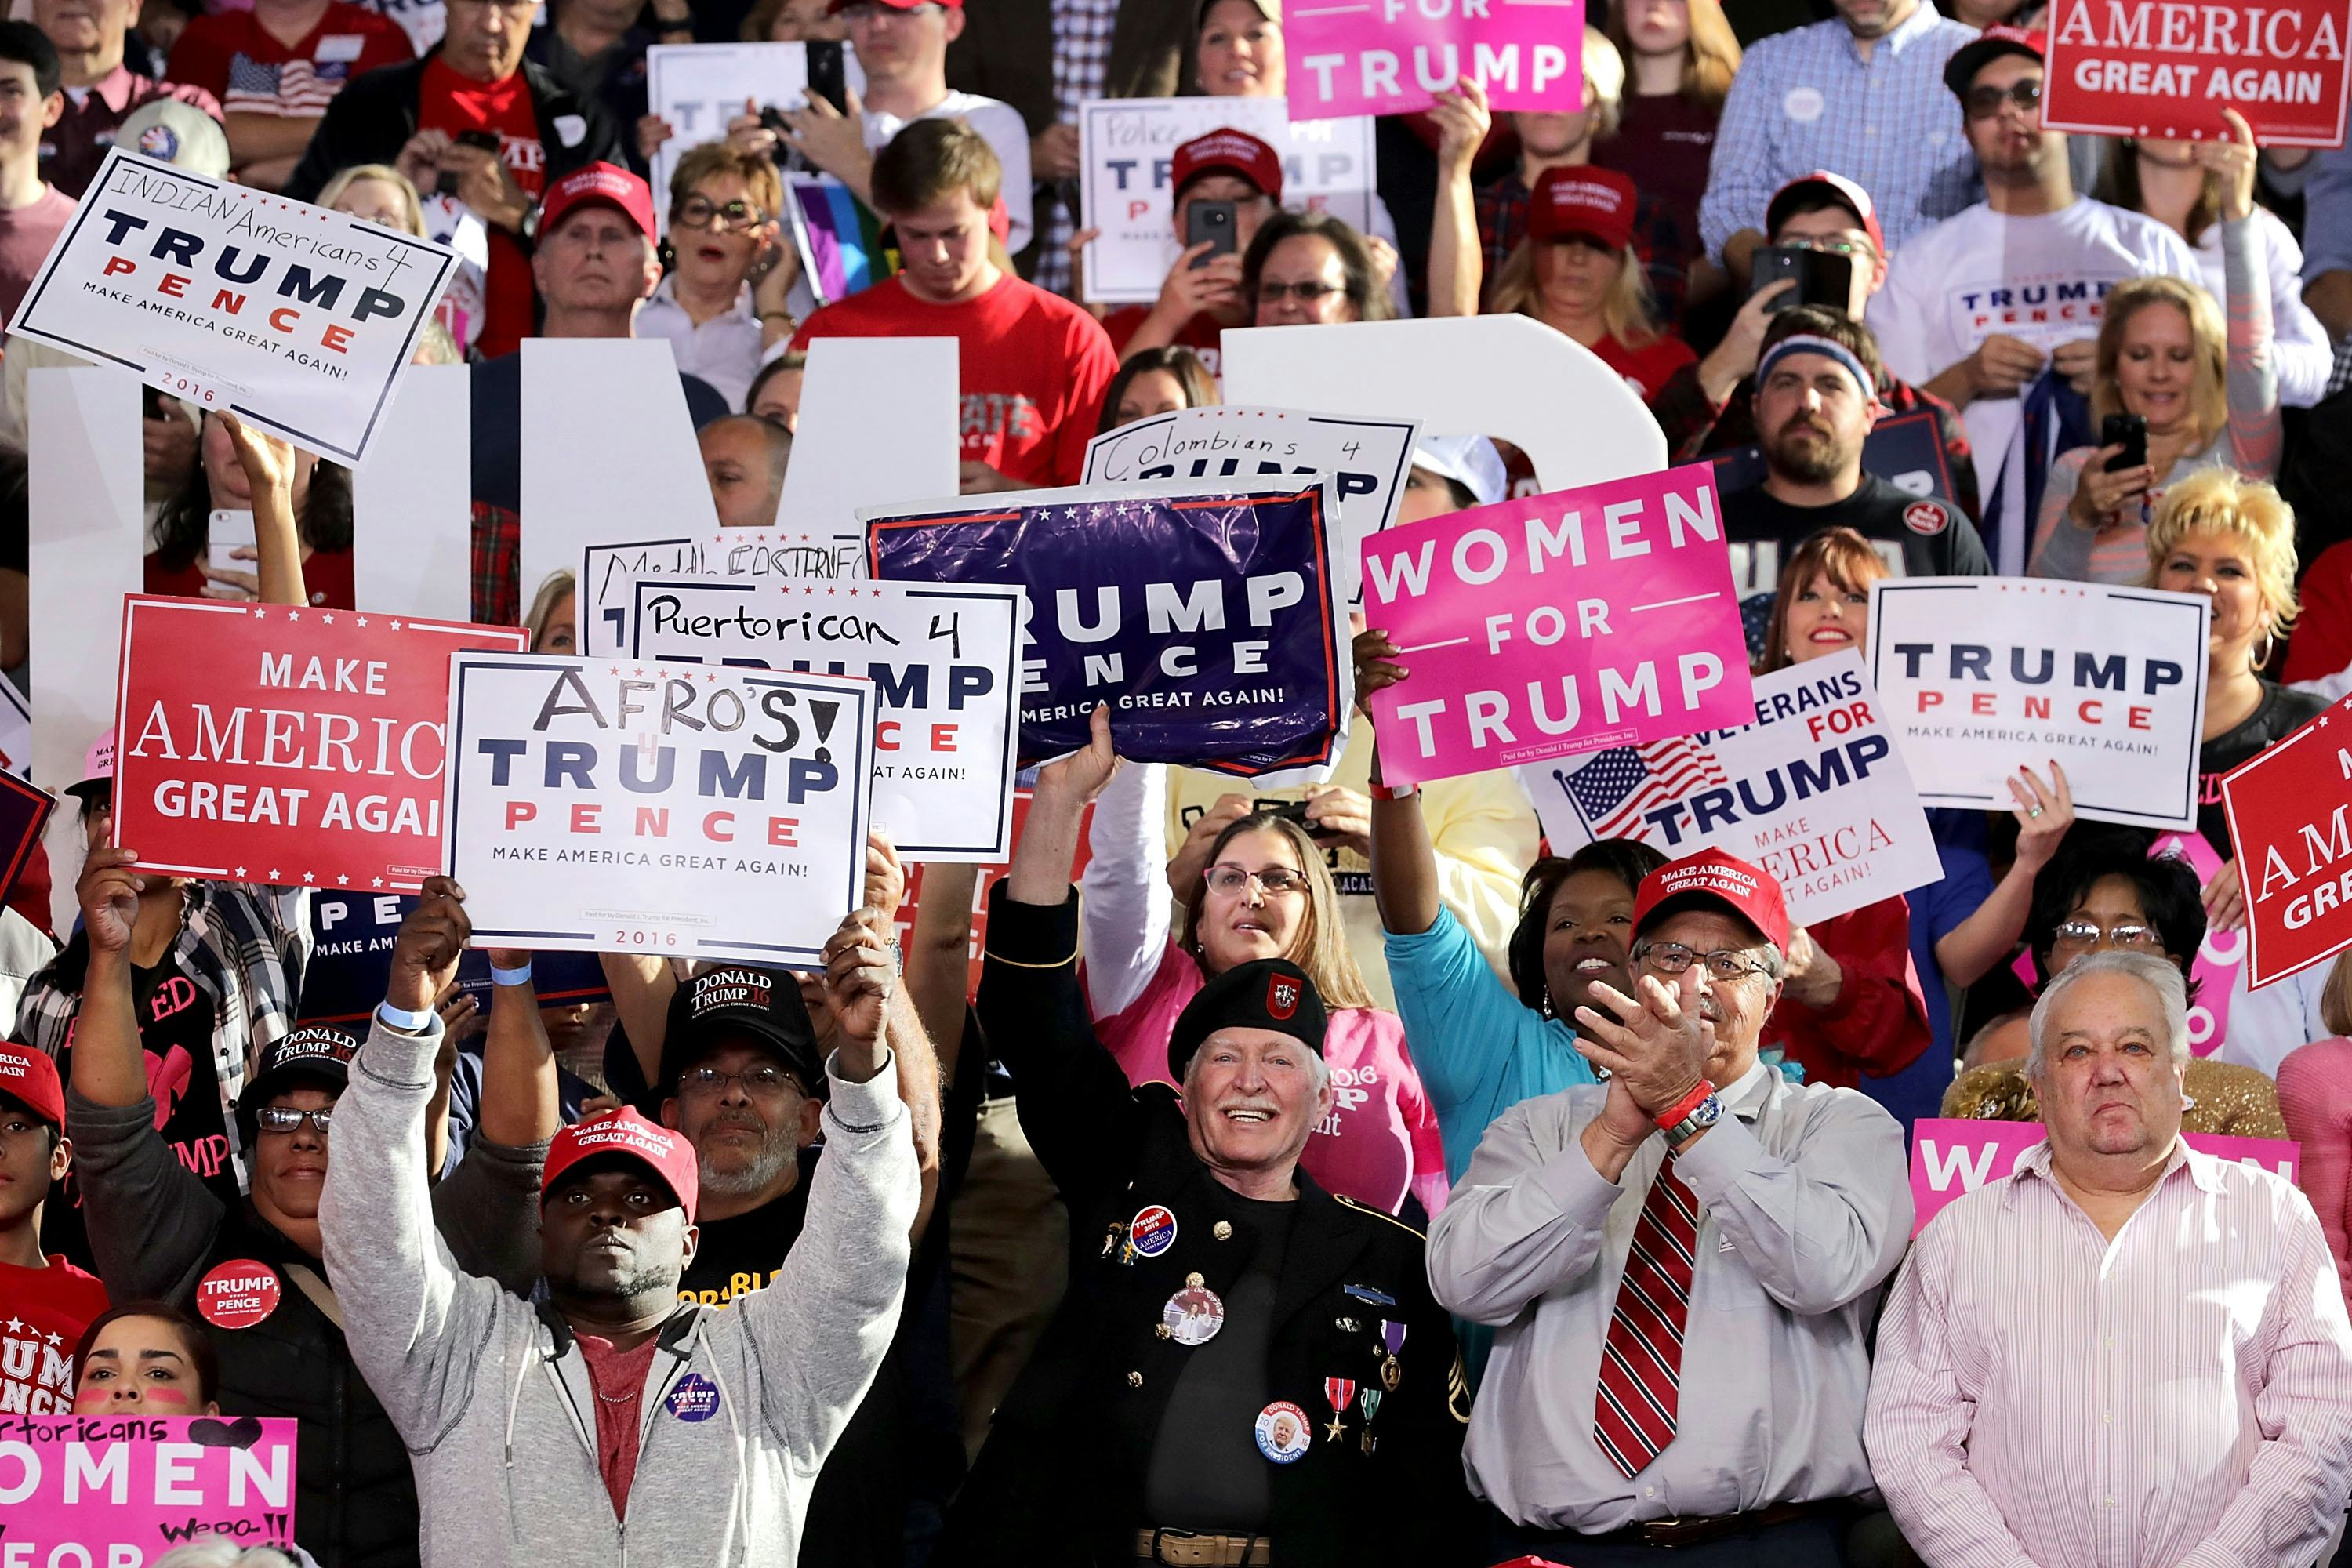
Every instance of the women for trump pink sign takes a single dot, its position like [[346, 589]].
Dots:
[[1388, 56], [1557, 624]]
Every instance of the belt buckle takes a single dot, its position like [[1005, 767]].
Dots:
[[1185, 1551], [1671, 1532]]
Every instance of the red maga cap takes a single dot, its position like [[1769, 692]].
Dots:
[[30, 1078], [1580, 199], [1749, 892], [1837, 188], [1235, 152], [665, 1153], [607, 183]]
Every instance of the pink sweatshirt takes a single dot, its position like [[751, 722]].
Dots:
[[1381, 1139], [2314, 1092]]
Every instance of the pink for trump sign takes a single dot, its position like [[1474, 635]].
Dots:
[[1387, 56], [1951, 1158], [120, 1491], [1557, 624]]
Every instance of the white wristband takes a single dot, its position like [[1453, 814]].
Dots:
[[518, 975], [400, 1018]]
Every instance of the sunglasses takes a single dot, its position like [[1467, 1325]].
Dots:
[[1305, 293], [1984, 102]]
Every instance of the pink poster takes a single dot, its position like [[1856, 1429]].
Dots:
[[1952, 1158], [1387, 56], [124, 1490], [1558, 624]]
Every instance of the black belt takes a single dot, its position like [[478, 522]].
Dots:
[[1669, 1533]]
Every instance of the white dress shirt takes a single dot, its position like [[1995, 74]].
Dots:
[[2178, 1397], [1805, 1208], [723, 351]]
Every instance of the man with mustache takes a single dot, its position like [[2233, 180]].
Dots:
[[1816, 400], [1244, 1369], [1680, 1264]]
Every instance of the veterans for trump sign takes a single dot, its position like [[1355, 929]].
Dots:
[[2287, 810], [1388, 56], [1558, 624], [596, 807], [1367, 461], [1128, 147], [2170, 68], [266, 743], [1207, 615], [294, 317], [1813, 792], [1983, 675], [940, 656], [124, 1490]]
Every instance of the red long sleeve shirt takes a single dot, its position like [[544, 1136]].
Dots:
[[1879, 1019]]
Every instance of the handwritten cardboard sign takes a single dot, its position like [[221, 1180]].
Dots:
[[121, 1491]]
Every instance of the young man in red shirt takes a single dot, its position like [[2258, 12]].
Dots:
[[276, 66], [1203, 295], [45, 1302], [1034, 366], [443, 116]]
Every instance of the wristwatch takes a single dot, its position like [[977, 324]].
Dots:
[[1702, 1116]]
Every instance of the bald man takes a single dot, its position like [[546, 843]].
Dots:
[[744, 457]]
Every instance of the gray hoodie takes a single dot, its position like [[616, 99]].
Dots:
[[492, 1396]]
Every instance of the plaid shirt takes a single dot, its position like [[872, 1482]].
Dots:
[[1082, 30], [497, 567], [1807, 100], [1658, 239], [247, 945]]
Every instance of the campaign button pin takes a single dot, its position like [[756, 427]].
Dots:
[[693, 1397], [1153, 1231], [238, 1294], [1194, 1315], [1282, 1433]]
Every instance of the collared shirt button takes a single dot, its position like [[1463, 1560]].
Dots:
[[1135, 1379]]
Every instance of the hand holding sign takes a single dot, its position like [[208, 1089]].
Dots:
[[858, 980], [1078, 777], [432, 939], [2043, 813], [109, 891], [2232, 163]]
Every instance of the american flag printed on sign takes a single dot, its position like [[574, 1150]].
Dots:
[[297, 91], [1613, 789]]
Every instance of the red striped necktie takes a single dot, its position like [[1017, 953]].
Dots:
[[1642, 1359]]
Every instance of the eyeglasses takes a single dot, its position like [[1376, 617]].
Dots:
[[1230, 880], [1826, 245], [767, 1080], [1673, 957], [2083, 933], [1305, 293], [286, 1119], [1984, 102], [697, 212]]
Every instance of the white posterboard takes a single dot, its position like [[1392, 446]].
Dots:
[[1368, 459], [295, 317], [85, 451], [1126, 148], [940, 656], [699, 87], [849, 453], [412, 502]]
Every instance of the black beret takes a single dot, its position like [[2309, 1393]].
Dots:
[[1270, 994]]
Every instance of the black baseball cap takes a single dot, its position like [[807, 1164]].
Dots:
[[1270, 994], [1973, 56], [316, 1053], [739, 1002]]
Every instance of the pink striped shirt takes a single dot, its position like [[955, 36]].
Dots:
[[2182, 1395]]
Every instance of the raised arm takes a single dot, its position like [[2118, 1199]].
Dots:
[[642, 984], [1405, 857], [2255, 430], [268, 465], [822, 1332], [488, 1208], [415, 1324], [936, 982], [1123, 893], [1458, 262], [916, 1063]]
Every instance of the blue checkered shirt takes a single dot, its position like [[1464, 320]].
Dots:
[[1807, 100]]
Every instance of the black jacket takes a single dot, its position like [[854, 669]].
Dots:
[[376, 114], [1062, 1478]]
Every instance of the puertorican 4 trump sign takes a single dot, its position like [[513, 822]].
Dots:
[[2170, 68], [1563, 623], [258, 742], [294, 317]]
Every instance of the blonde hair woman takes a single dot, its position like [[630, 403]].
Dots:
[[2232, 540], [2208, 392]]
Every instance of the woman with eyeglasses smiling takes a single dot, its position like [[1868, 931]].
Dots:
[[1310, 269], [722, 304], [1264, 893]]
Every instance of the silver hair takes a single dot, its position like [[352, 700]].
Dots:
[[1320, 1069], [2158, 974]]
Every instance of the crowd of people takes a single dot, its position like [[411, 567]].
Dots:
[[1347, 1174]]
